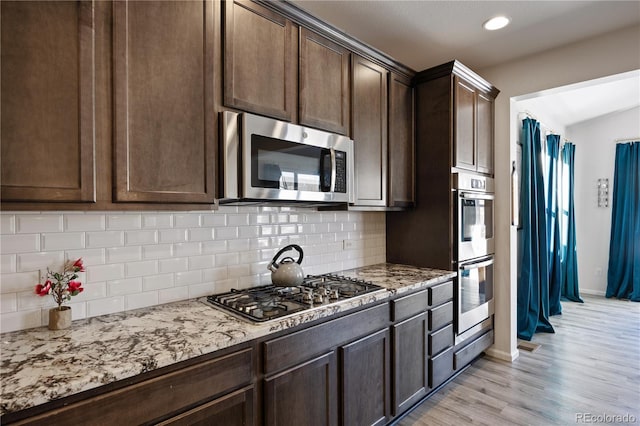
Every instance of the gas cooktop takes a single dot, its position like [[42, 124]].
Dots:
[[269, 302]]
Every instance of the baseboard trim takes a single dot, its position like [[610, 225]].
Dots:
[[592, 292], [502, 355]]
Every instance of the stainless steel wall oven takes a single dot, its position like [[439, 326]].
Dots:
[[475, 252]]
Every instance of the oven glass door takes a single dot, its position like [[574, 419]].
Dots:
[[475, 292], [285, 165], [475, 225]]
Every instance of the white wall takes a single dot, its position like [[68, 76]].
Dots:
[[139, 259], [595, 142], [612, 53]]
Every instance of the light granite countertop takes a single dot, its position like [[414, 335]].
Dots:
[[39, 365]]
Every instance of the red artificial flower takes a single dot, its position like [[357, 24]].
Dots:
[[75, 287], [78, 266], [43, 290]]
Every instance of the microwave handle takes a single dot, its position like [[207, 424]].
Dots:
[[470, 266], [333, 169], [476, 196]]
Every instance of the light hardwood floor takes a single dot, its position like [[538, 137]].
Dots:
[[589, 367]]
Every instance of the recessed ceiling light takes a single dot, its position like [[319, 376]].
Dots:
[[496, 23]]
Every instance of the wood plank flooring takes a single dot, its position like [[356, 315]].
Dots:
[[590, 367]]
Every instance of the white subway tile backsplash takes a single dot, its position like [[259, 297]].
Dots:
[[89, 256], [172, 235], [157, 282], [126, 286], [134, 238], [173, 294], [124, 254], [7, 224], [105, 306], [7, 264], [36, 261], [9, 303], [187, 278], [105, 239], [20, 243], [140, 269], [140, 300], [157, 221], [200, 234], [158, 251], [63, 241], [139, 259], [123, 222], [105, 272], [33, 223], [84, 222], [186, 220], [175, 264], [21, 320]]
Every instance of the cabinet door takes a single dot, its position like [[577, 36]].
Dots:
[[410, 377], [365, 380], [48, 125], [464, 117], [324, 83], [303, 395], [401, 142], [163, 85], [484, 136], [260, 60], [369, 105], [235, 409]]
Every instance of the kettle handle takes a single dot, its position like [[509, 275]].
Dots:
[[284, 249]]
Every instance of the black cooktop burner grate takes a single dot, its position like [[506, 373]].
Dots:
[[270, 302]]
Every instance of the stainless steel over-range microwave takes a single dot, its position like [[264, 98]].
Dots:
[[266, 160]]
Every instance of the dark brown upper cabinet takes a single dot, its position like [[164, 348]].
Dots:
[[48, 99], [473, 128], [369, 132], [260, 60], [324, 99], [401, 142], [164, 128]]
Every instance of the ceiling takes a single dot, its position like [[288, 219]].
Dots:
[[422, 34]]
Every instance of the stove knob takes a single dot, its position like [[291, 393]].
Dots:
[[322, 291], [307, 297], [335, 294], [317, 298]]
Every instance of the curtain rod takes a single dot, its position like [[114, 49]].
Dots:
[[549, 130], [627, 140]]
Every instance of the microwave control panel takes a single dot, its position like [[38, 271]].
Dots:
[[341, 172]]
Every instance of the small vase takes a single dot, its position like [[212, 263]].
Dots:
[[59, 319]]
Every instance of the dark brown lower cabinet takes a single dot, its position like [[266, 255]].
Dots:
[[410, 353], [303, 395], [235, 409], [366, 380]]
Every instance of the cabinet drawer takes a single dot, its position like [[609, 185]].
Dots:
[[301, 346], [438, 294], [440, 340], [440, 368], [440, 316], [467, 354], [410, 305]]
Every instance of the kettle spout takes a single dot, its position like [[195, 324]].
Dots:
[[272, 267]]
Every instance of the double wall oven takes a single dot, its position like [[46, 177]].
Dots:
[[474, 196]]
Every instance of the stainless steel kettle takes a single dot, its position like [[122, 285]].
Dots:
[[287, 273]]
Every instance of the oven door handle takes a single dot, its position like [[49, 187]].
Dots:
[[475, 196], [477, 265]]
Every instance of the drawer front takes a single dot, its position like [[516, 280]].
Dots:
[[298, 347], [438, 294], [409, 306], [440, 340], [440, 368], [440, 316], [467, 354]]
